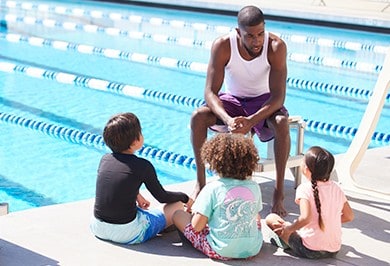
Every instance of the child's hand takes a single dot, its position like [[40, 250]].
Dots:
[[142, 202], [188, 205], [278, 227], [258, 221], [283, 228]]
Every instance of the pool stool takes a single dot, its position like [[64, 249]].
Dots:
[[293, 162]]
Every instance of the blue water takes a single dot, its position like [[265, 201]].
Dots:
[[38, 168]]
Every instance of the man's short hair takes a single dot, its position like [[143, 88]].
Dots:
[[250, 16]]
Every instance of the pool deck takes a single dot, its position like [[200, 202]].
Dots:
[[59, 234], [371, 13]]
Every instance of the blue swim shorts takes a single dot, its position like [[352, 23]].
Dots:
[[146, 225], [157, 222]]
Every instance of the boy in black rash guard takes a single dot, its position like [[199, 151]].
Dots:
[[121, 213]]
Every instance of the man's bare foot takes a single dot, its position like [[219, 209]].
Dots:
[[278, 205], [279, 209]]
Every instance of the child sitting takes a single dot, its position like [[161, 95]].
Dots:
[[323, 208], [226, 222], [121, 173]]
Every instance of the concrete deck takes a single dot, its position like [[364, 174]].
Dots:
[[371, 13], [59, 234]]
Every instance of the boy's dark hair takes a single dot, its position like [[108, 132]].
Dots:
[[121, 131], [320, 162], [230, 155], [249, 16]]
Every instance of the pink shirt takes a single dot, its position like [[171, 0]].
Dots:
[[332, 200]]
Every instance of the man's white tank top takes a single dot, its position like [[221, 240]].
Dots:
[[247, 78]]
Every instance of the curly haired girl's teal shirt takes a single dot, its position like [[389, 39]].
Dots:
[[232, 206]]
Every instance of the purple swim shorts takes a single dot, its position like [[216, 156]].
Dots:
[[236, 106]]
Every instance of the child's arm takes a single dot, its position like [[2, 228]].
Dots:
[[258, 221], [347, 214], [199, 222], [142, 202], [188, 205], [303, 219]]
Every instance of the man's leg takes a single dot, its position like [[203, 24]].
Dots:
[[202, 118], [282, 143]]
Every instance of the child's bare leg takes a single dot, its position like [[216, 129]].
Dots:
[[181, 219], [169, 209]]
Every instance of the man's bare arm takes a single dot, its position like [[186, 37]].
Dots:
[[220, 54]]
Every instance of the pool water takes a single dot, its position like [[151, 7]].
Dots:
[[51, 122]]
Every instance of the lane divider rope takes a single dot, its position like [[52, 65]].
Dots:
[[345, 132], [96, 141], [108, 52], [92, 140], [139, 92], [168, 62], [111, 31], [113, 16], [99, 84], [334, 62], [133, 91], [295, 57], [332, 89], [325, 42]]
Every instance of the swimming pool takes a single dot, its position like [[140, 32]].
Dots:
[[65, 69]]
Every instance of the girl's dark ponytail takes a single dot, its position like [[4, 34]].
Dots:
[[320, 162]]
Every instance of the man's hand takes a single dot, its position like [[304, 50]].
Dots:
[[240, 124]]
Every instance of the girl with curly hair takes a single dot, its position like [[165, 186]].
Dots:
[[225, 219]]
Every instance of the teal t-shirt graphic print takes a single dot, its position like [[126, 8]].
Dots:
[[232, 206]]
